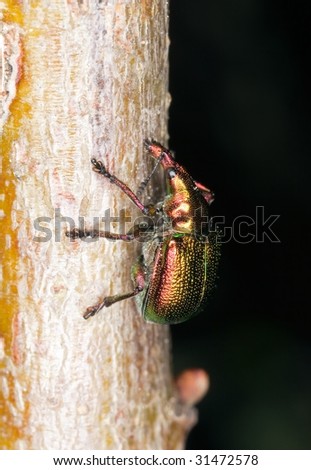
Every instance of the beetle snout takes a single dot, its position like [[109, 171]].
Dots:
[[154, 148], [159, 152]]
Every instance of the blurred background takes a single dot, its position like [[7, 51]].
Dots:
[[240, 123]]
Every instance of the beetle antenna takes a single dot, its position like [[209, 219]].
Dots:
[[144, 183]]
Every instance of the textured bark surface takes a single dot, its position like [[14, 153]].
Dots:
[[80, 79]]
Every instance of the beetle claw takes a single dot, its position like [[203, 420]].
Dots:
[[90, 312], [99, 167]]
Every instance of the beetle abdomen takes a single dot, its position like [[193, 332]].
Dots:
[[183, 275]]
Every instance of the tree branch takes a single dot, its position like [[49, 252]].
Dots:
[[80, 80]]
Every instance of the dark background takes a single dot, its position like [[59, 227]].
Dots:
[[240, 123]]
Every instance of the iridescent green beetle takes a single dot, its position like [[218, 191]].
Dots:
[[176, 272]]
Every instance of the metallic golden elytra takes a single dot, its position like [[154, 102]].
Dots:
[[176, 272]]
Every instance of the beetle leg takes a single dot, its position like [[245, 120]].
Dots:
[[138, 273], [138, 232], [79, 233], [101, 169], [107, 301], [208, 195]]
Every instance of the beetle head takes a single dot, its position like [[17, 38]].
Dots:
[[177, 177], [185, 205]]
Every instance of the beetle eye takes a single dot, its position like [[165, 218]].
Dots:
[[171, 173]]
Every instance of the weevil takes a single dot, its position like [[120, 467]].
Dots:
[[176, 271]]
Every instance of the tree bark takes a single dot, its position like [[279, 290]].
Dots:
[[80, 79]]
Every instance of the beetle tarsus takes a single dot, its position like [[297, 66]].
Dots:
[[75, 233], [90, 312], [79, 233], [108, 301], [100, 168]]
